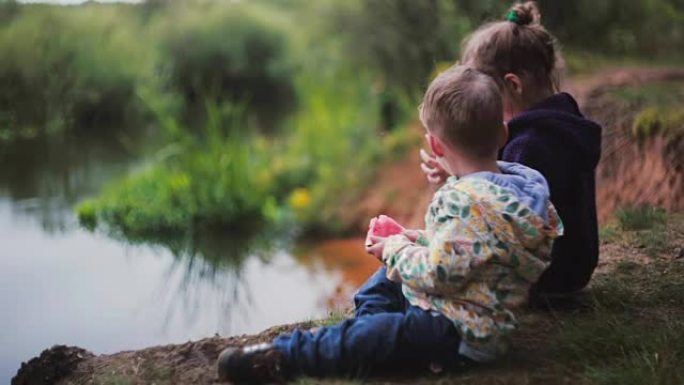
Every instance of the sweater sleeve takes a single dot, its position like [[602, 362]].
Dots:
[[532, 153]]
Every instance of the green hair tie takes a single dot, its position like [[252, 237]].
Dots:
[[512, 16]]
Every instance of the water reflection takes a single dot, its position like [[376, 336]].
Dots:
[[105, 292], [45, 176]]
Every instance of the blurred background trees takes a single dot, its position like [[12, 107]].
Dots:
[[294, 91]]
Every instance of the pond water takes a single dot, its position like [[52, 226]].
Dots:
[[60, 284]]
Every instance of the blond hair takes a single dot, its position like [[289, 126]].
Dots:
[[519, 45], [463, 107]]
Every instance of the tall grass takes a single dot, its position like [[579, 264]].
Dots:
[[210, 179]]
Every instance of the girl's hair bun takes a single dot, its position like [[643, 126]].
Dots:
[[526, 13]]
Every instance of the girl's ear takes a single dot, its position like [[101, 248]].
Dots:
[[435, 145], [513, 84]]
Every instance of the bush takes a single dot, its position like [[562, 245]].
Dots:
[[214, 181], [403, 39], [227, 53], [64, 67]]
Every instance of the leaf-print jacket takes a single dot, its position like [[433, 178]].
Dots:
[[487, 239]]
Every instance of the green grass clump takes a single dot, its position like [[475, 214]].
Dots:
[[665, 121], [641, 217], [609, 233], [213, 180], [649, 225]]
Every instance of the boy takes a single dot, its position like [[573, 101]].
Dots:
[[446, 293]]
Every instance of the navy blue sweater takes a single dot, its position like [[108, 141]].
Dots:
[[555, 138]]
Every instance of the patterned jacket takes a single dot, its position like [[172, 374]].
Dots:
[[487, 239]]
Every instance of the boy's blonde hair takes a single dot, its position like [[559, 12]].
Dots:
[[463, 107], [519, 45]]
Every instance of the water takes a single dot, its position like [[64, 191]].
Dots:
[[60, 284]]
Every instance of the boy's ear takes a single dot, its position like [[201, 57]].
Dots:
[[513, 83], [435, 145]]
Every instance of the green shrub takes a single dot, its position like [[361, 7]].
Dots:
[[641, 217], [658, 121], [227, 53], [332, 144], [64, 67], [402, 40], [213, 181]]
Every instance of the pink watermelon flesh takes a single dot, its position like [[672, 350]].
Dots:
[[383, 226]]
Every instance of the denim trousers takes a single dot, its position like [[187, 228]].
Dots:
[[386, 333]]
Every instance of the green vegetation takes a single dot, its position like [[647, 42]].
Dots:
[[209, 178], [649, 225], [63, 69], [632, 333], [609, 232], [658, 106], [315, 85], [665, 121], [641, 217]]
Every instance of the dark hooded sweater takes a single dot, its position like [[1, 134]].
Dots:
[[555, 138]]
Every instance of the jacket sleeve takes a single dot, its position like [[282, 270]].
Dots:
[[440, 267]]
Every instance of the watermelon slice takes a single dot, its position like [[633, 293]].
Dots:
[[383, 226]]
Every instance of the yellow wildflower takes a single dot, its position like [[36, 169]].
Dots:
[[300, 199]]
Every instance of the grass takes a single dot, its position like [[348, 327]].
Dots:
[[665, 121], [658, 108], [641, 217], [609, 232], [627, 328], [633, 331]]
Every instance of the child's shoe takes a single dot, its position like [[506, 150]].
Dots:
[[255, 364]]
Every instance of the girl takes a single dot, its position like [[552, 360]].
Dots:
[[547, 132]]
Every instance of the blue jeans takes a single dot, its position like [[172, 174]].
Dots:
[[386, 332]]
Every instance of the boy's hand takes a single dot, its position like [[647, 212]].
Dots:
[[433, 171], [375, 246], [382, 226], [412, 235]]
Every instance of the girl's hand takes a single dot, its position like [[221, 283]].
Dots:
[[375, 246], [433, 171]]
